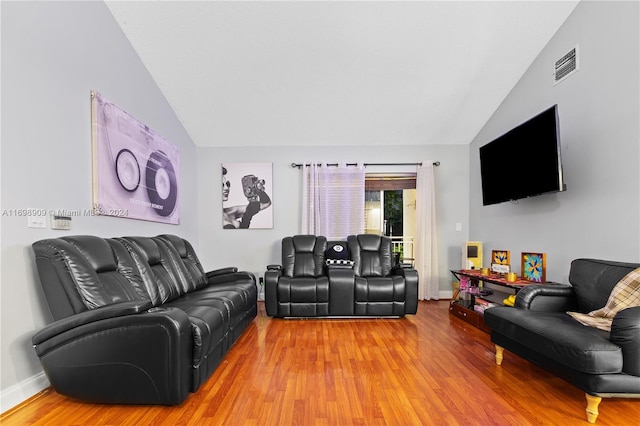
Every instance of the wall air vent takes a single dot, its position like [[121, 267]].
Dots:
[[565, 66]]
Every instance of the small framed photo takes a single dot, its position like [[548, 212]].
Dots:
[[534, 267], [500, 261]]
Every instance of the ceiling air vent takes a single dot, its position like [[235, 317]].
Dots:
[[566, 66]]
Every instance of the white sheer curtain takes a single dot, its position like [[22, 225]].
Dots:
[[426, 242], [332, 200]]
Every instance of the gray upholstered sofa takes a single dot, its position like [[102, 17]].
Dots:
[[349, 278], [136, 319], [603, 364]]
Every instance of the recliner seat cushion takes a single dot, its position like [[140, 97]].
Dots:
[[380, 296], [303, 296], [559, 337]]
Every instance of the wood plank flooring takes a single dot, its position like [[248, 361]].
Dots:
[[427, 369]]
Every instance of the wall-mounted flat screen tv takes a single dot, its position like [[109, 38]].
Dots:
[[523, 162]]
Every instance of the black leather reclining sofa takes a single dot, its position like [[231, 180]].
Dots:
[[352, 278], [603, 364], [137, 320]]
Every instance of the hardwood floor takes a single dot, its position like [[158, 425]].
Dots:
[[427, 369]]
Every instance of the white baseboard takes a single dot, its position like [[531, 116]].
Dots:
[[445, 294], [22, 391]]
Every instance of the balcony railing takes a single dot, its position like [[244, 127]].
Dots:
[[403, 248]]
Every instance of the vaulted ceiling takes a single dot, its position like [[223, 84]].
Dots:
[[303, 73]]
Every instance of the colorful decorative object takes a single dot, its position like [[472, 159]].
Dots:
[[501, 257], [500, 261], [534, 267]]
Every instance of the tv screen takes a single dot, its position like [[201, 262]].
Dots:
[[523, 162]]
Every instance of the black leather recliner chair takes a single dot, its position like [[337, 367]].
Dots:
[[381, 288], [308, 284], [298, 287]]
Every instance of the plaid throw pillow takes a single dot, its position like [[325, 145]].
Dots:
[[625, 294]]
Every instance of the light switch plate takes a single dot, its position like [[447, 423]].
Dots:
[[37, 221]]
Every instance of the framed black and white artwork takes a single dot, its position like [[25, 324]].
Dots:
[[247, 191]]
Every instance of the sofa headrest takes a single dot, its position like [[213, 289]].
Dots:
[[369, 242], [306, 243], [148, 247], [177, 242], [97, 251]]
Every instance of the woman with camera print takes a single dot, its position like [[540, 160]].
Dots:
[[239, 217]]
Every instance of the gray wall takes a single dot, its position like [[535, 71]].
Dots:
[[254, 249], [599, 214], [53, 54]]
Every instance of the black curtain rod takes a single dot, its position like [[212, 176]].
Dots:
[[435, 163]]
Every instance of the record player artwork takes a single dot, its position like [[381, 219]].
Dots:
[[135, 170]]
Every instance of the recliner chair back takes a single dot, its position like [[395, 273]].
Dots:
[[188, 256], [303, 255], [165, 277], [372, 255], [85, 272]]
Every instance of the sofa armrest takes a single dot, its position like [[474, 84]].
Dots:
[[403, 266], [547, 297], [143, 358], [105, 312], [271, 277], [625, 332], [342, 283], [221, 271], [411, 287], [228, 275]]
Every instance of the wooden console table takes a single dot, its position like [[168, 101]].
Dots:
[[483, 291]]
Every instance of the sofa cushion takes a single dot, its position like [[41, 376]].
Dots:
[[163, 279], [594, 279], [303, 255], [371, 255], [102, 274], [185, 252], [625, 294], [558, 337]]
